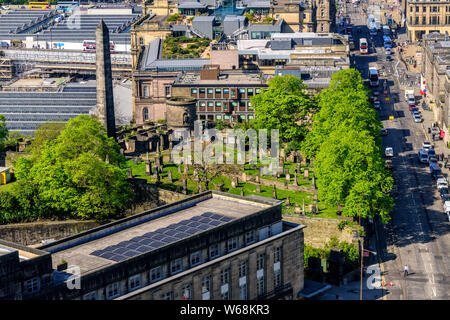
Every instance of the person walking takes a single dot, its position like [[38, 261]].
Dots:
[[405, 273]]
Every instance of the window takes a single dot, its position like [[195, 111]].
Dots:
[[277, 278], [417, 20], [242, 269], [242, 90], [113, 290], [250, 237], [242, 116], [225, 117], [410, 9], [206, 283], [250, 117], [434, 9], [225, 295], [210, 90], [194, 91], [214, 251], [146, 92], [186, 292], [167, 91], [176, 266], [424, 20], [277, 255], [90, 296], [218, 91], [202, 90], [232, 244], [226, 91], [225, 276], [134, 282], [202, 104], [243, 291], [424, 9], [321, 27], [250, 92], [258, 90], [32, 285], [242, 104], [167, 296], [218, 104], [218, 117], [322, 13], [417, 9], [145, 114], [260, 262], [210, 104], [234, 104], [196, 258]]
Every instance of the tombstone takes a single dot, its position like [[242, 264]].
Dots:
[[242, 193], [258, 179], [288, 177], [288, 202], [233, 183], [179, 169], [313, 183], [185, 169], [297, 209], [170, 145], [244, 177], [136, 161], [286, 171], [157, 176], [303, 162], [122, 151], [260, 173], [169, 176], [184, 185], [148, 167], [298, 167], [306, 174], [258, 188], [286, 185], [303, 208], [130, 173], [295, 178], [274, 192], [161, 142]]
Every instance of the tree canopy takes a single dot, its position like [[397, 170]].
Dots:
[[284, 106], [346, 145], [3, 131], [79, 173]]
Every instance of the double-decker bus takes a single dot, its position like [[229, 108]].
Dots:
[[363, 46], [90, 45], [39, 5], [387, 42], [373, 77]]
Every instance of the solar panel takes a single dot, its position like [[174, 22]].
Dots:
[[107, 255], [207, 214], [158, 236], [226, 219], [145, 241], [117, 257], [132, 245], [131, 253], [157, 244], [182, 228], [205, 220], [148, 234], [124, 243], [97, 252], [196, 218], [143, 249], [184, 222], [215, 223], [120, 250], [173, 226], [170, 239], [193, 224], [162, 230], [193, 230], [169, 233], [182, 235]]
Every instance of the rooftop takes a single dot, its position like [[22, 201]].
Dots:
[[191, 78], [152, 231]]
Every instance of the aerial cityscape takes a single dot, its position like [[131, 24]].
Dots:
[[243, 150]]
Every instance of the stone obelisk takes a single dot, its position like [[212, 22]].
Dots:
[[105, 98]]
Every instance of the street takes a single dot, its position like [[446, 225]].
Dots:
[[418, 233]]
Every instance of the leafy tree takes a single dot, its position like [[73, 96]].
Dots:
[[284, 106], [79, 173], [49, 131], [3, 131]]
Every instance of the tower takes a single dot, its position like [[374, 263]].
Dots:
[[105, 99]]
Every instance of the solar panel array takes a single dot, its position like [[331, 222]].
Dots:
[[161, 237]]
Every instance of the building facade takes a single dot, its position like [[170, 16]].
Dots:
[[212, 246], [424, 17]]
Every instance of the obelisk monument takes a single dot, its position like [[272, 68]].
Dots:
[[105, 98]]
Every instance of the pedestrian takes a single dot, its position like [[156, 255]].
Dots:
[[445, 164], [405, 273]]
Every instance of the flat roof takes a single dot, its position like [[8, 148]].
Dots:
[[231, 78], [86, 254]]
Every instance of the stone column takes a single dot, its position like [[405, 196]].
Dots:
[[148, 167], [274, 192]]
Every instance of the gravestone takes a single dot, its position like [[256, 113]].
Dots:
[[195, 175], [303, 162], [274, 192], [286, 171], [161, 142], [288, 177], [258, 188], [286, 185], [179, 169], [121, 151], [136, 161], [258, 179], [233, 183], [184, 185], [313, 184], [148, 167], [242, 193], [303, 207], [298, 167], [295, 179], [157, 176], [169, 176], [288, 202], [185, 169], [297, 209], [130, 173], [306, 174], [244, 177]]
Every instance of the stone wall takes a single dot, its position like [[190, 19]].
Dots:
[[319, 231], [34, 232]]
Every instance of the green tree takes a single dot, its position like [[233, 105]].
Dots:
[[49, 131], [3, 131], [284, 106], [79, 173]]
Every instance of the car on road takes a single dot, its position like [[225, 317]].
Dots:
[[448, 215], [423, 156], [384, 132], [376, 93], [446, 205], [377, 105], [388, 51], [431, 153], [389, 152], [426, 145], [432, 159], [414, 109], [445, 197], [416, 113], [388, 164], [411, 106], [443, 191], [388, 58], [442, 184], [417, 118], [371, 99]]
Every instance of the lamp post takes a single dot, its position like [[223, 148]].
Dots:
[[362, 249]]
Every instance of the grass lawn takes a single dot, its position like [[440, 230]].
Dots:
[[249, 188], [7, 187]]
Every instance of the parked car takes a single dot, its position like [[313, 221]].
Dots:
[[446, 205], [376, 93], [445, 197], [426, 145], [417, 118], [416, 113], [389, 152], [423, 156], [432, 159], [448, 215], [388, 164], [388, 51], [411, 106], [388, 58], [442, 184], [414, 109], [431, 153], [384, 132], [377, 105]]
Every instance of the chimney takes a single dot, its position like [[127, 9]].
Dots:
[[210, 72]]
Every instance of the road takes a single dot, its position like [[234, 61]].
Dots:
[[419, 233]]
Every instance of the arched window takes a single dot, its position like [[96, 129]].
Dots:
[[145, 114]]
